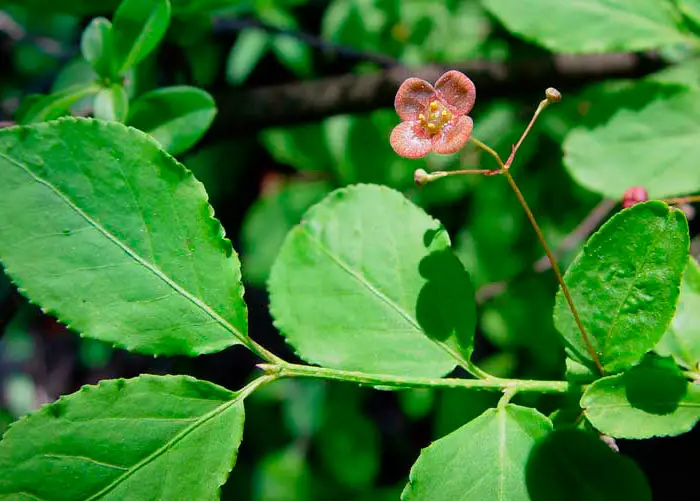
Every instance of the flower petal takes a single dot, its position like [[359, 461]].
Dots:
[[453, 136], [412, 98], [410, 141], [457, 90]]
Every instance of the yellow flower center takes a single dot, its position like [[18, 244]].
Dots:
[[436, 119]]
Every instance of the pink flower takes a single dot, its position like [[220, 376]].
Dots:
[[433, 118]]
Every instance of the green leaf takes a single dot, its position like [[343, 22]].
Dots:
[[575, 465], [293, 54], [653, 399], [138, 27], [368, 282], [591, 25], [97, 47], [303, 147], [268, 221], [177, 117], [107, 232], [655, 146], [58, 104], [246, 53], [625, 285], [126, 439], [484, 459], [112, 104], [682, 339]]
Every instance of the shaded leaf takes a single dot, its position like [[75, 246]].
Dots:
[[177, 117], [484, 459], [654, 145], [97, 47], [682, 339], [591, 25], [246, 53], [57, 104], [652, 399], [126, 439], [577, 466], [625, 285], [138, 27], [283, 475], [368, 282], [105, 231]]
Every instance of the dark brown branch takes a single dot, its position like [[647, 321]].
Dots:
[[297, 102]]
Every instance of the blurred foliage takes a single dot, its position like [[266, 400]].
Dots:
[[306, 440]]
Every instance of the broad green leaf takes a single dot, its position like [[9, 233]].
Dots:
[[112, 104], [151, 437], [368, 282], [484, 459], [177, 117], [579, 26], [655, 146], [653, 399], [268, 221], [97, 48], [104, 230], [246, 53], [58, 104], [577, 466], [625, 285], [138, 27], [682, 339]]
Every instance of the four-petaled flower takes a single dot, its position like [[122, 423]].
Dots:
[[433, 118]]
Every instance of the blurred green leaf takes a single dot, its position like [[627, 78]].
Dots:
[[73, 214], [138, 27], [348, 442], [407, 304], [97, 47], [682, 339], [20, 396], [268, 221], [690, 9], [112, 104], [484, 459], [303, 147], [653, 399], [95, 354], [591, 25], [57, 104], [177, 117], [577, 466], [293, 53], [654, 146], [625, 284], [126, 439], [303, 407], [283, 476], [417, 403], [246, 53]]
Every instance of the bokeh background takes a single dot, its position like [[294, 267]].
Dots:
[[305, 91]]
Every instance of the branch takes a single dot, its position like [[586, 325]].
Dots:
[[298, 102]]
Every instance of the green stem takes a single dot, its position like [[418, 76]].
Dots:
[[255, 384], [263, 352], [555, 268], [401, 382]]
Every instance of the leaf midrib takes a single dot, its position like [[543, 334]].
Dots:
[[131, 252], [379, 294], [132, 470]]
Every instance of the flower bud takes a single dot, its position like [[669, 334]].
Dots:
[[633, 196], [553, 95], [421, 177]]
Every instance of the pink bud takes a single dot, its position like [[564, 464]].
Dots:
[[633, 196]]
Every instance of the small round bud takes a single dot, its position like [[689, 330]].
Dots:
[[633, 196], [553, 95], [421, 177]]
